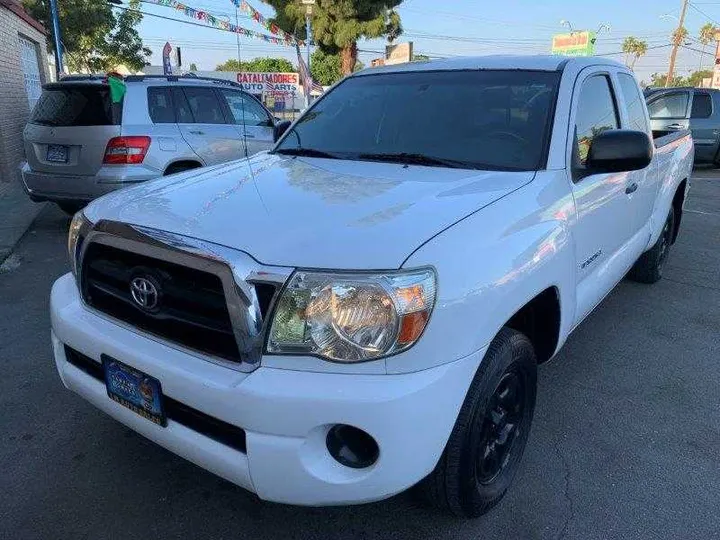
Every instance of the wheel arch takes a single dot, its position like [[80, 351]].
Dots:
[[539, 320], [677, 205], [181, 165]]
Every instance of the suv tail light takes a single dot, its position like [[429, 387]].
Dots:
[[126, 150]]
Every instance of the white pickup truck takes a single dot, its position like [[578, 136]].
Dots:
[[363, 308]]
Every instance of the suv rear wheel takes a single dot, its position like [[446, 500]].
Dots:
[[487, 443]]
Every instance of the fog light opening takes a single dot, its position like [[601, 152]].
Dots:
[[352, 447]]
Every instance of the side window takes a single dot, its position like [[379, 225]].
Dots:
[[182, 107], [204, 105], [669, 106], [160, 105], [253, 112], [596, 113], [634, 102], [702, 105]]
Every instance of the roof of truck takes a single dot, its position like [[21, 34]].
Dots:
[[537, 63]]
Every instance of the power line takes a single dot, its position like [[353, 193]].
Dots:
[[701, 12], [174, 20]]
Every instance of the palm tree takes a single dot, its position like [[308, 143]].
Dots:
[[633, 49], [706, 37]]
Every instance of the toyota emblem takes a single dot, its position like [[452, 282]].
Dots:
[[144, 292]]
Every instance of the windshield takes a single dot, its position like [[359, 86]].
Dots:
[[494, 120]]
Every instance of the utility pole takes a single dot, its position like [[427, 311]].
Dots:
[[237, 35], [677, 41], [57, 40]]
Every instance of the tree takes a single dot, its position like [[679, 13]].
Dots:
[[694, 79], [325, 68], [633, 49], [706, 37], [263, 65], [337, 25], [94, 38], [193, 67]]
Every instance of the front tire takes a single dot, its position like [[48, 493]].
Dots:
[[484, 451], [649, 267]]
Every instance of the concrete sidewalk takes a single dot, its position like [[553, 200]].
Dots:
[[17, 212]]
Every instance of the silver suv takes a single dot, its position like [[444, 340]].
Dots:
[[79, 145]]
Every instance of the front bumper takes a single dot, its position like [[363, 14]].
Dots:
[[67, 187], [285, 413]]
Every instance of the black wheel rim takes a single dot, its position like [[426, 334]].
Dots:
[[665, 242], [501, 426]]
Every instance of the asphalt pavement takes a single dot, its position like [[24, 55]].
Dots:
[[625, 442]]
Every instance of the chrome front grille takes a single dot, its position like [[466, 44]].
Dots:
[[209, 299]]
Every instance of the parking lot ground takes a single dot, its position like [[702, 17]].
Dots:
[[625, 441]]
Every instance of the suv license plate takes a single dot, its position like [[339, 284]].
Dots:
[[57, 153], [134, 389]]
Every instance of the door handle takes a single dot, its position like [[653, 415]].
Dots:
[[632, 188], [248, 135], [674, 126], [196, 132]]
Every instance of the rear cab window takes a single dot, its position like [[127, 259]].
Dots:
[[634, 102], [72, 104]]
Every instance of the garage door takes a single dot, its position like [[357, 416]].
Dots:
[[31, 70]]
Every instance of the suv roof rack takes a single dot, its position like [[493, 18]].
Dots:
[[175, 78], [71, 78]]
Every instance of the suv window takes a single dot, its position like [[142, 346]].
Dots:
[[204, 105], [253, 113], [596, 113], [160, 105], [634, 102], [669, 106], [72, 104], [702, 105]]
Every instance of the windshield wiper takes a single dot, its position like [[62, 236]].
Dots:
[[307, 152], [417, 159]]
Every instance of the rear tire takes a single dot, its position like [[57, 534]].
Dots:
[[71, 208], [649, 267], [487, 443]]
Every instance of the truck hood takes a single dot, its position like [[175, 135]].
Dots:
[[310, 212]]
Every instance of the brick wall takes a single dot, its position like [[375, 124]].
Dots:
[[14, 107]]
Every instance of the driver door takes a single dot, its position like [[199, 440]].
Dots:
[[605, 212]]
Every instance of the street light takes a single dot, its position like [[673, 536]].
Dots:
[[567, 23]]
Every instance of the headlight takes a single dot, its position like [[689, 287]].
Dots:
[[79, 228], [352, 317]]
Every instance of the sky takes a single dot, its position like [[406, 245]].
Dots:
[[460, 28]]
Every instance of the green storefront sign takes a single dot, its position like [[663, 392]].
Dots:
[[574, 44]]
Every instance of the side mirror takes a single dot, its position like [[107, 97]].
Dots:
[[280, 128], [619, 150]]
